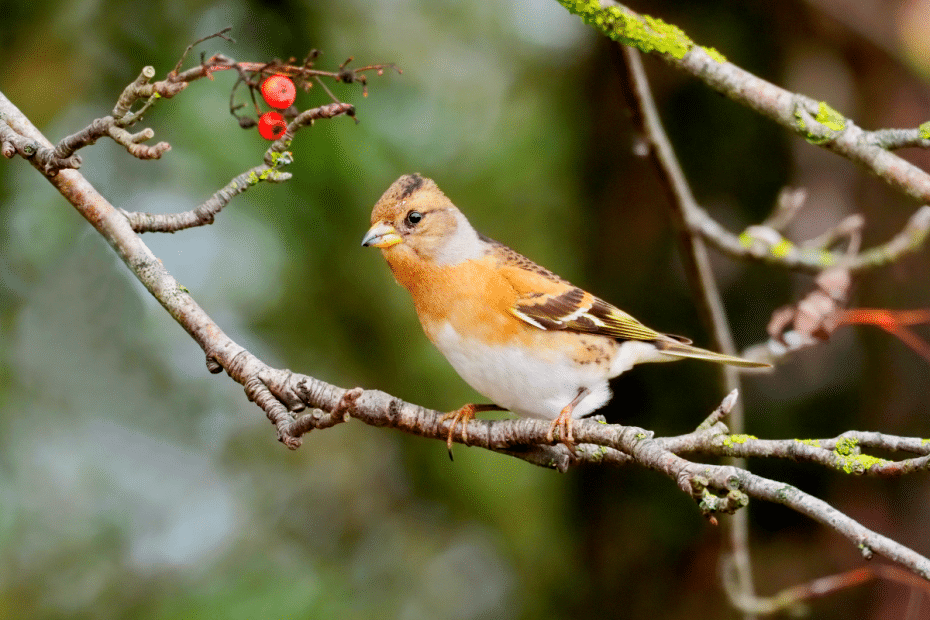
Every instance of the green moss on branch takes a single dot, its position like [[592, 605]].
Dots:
[[645, 33]]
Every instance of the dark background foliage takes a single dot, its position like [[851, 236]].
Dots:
[[133, 484]]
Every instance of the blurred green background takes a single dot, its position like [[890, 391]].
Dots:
[[133, 484]]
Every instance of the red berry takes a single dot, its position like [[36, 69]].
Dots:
[[279, 91], [271, 125]]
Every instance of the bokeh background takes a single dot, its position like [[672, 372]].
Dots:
[[133, 484]]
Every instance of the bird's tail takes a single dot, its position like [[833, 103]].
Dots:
[[683, 349]]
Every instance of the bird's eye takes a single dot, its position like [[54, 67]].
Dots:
[[413, 218]]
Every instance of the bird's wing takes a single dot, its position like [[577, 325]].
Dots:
[[580, 311], [546, 301]]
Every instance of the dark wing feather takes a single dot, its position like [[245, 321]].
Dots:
[[567, 307], [576, 310]]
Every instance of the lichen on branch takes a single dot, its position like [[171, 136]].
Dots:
[[643, 32]]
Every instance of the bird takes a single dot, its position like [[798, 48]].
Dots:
[[530, 341]]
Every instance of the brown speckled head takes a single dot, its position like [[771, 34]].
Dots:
[[407, 192], [414, 217]]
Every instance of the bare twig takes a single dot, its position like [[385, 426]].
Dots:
[[791, 599], [892, 139], [270, 171], [721, 412], [811, 320], [774, 249], [895, 322], [14, 143], [842, 453], [222, 34], [204, 214], [63, 156], [131, 93], [789, 203]]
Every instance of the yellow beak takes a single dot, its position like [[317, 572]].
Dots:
[[381, 236]]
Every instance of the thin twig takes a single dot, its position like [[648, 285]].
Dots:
[[790, 599], [700, 276], [276, 157], [63, 155], [221, 34]]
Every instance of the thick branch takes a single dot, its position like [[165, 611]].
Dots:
[[597, 443], [717, 487], [115, 228]]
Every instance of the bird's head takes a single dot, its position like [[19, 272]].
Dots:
[[414, 220]]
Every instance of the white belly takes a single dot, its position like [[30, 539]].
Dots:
[[527, 385]]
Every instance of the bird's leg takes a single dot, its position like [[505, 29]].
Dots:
[[564, 421], [463, 415]]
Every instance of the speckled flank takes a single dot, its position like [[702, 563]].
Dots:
[[595, 350]]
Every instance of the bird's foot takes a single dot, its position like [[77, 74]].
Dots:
[[462, 416], [564, 425], [564, 421]]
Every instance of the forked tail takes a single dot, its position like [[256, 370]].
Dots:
[[681, 349]]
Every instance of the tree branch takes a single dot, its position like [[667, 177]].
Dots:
[[815, 121], [275, 158], [62, 155]]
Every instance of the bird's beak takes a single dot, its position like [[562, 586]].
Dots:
[[381, 236]]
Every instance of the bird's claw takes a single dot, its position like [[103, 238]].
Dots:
[[563, 423], [460, 416]]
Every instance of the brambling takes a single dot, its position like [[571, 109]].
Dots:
[[517, 333]]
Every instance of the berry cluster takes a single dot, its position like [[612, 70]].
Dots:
[[279, 92]]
